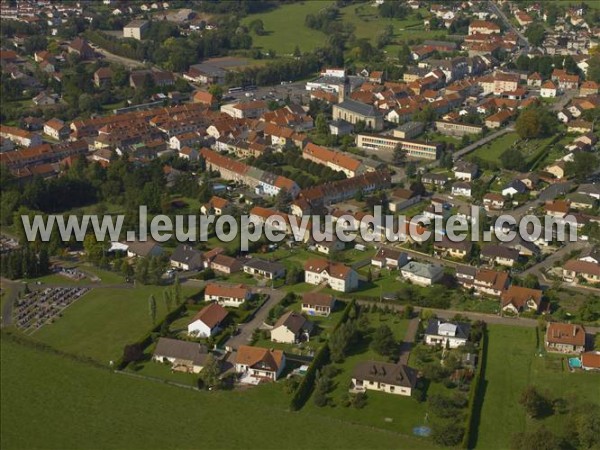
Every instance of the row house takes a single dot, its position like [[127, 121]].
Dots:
[[337, 161], [20, 137], [337, 191], [232, 170]]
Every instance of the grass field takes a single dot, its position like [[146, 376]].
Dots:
[[65, 404], [285, 28], [491, 152], [100, 323], [512, 365], [391, 412]]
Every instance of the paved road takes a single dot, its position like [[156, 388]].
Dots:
[[11, 296], [246, 329], [475, 145], [509, 25], [556, 256], [127, 62], [487, 318]]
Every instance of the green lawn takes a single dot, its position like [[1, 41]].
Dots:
[[105, 319], [65, 404], [491, 152], [513, 364], [285, 28], [93, 275], [391, 412], [368, 23]]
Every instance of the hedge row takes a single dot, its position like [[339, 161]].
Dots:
[[120, 364], [40, 346], [305, 388], [475, 397]]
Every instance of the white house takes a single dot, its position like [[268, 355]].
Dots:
[[338, 276], [462, 189], [421, 273], [385, 377], [208, 321], [390, 258], [317, 304], [256, 364], [232, 295], [447, 334], [548, 90], [291, 328], [183, 356]]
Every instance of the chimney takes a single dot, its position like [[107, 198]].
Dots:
[[342, 92], [574, 331]]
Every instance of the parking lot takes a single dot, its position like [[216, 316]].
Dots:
[[296, 91]]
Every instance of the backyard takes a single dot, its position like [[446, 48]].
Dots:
[[513, 362], [391, 412]]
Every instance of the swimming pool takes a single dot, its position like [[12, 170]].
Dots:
[[574, 363]]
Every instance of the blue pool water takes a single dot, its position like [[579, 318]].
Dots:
[[574, 363]]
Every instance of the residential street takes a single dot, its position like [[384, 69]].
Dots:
[[487, 318]]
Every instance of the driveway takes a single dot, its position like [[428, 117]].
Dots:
[[246, 329]]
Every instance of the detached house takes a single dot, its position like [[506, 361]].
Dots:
[[490, 282], [465, 171], [291, 328], [184, 356], [493, 201], [227, 295], [208, 321], [338, 276], [462, 189], [447, 334], [264, 269], [565, 338], [225, 264], [575, 269], [185, 257], [256, 364], [216, 205], [548, 90], [384, 377], [498, 254], [447, 247], [389, 258], [517, 299], [422, 274], [317, 304]]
